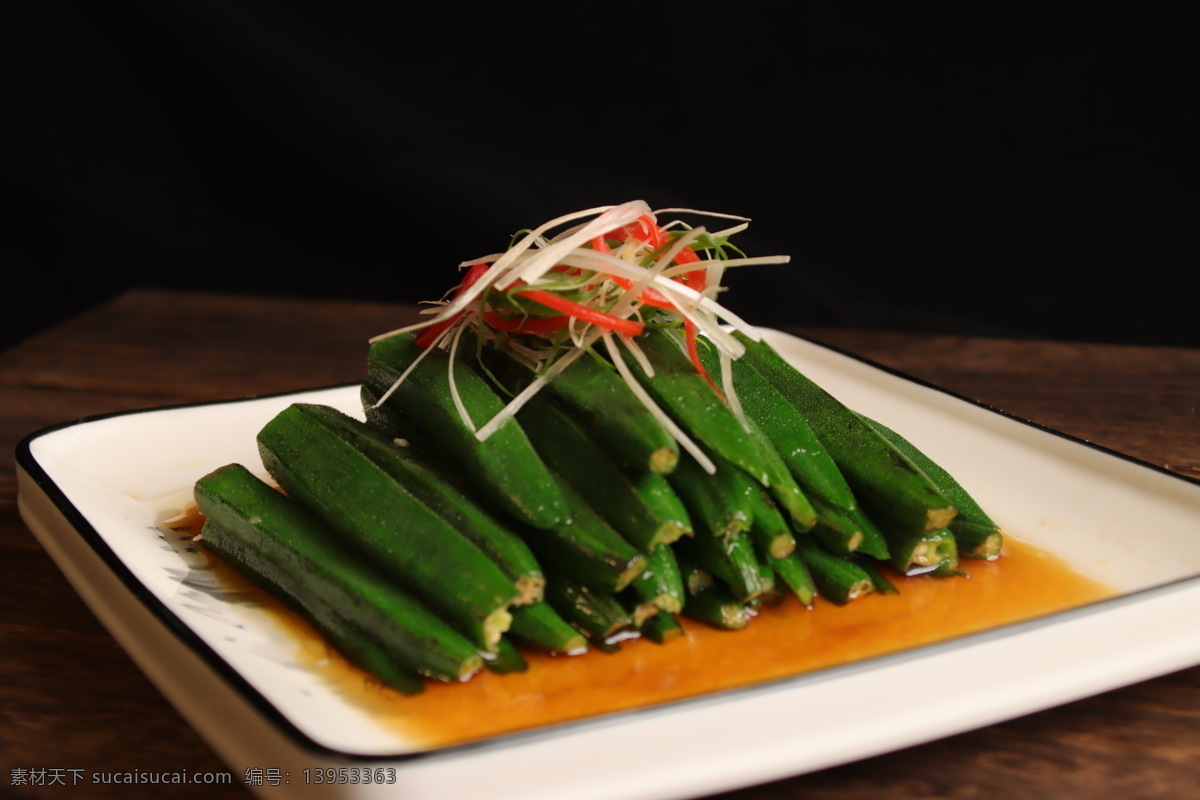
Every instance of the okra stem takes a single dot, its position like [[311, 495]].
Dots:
[[934, 550], [731, 560], [588, 550], [661, 583], [769, 529], [599, 615], [716, 606], [540, 626], [662, 628], [795, 576], [837, 579]]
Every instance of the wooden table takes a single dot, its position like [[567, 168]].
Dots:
[[70, 699]]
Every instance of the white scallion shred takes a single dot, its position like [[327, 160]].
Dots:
[[672, 428], [396, 384], [450, 364], [730, 391], [510, 410], [566, 242]]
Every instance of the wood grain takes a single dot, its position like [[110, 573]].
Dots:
[[71, 699]]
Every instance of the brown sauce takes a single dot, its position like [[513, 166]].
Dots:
[[782, 641]]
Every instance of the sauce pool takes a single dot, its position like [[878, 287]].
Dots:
[[782, 641]]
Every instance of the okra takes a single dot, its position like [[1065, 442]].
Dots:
[[357, 646], [639, 610], [837, 579], [845, 532], [609, 412], [769, 529], [792, 572], [695, 577], [446, 497], [541, 627], [422, 409], [507, 658], [974, 531], [893, 491], [642, 508], [660, 583], [344, 484], [719, 504], [278, 543], [787, 429], [662, 628], [731, 560], [879, 581], [705, 416], [930, 552], [588, 550], [598, 615], [716, 606]]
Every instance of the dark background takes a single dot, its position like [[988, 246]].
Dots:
[[976, 169]]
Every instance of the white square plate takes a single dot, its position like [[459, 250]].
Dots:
[[93, 491]]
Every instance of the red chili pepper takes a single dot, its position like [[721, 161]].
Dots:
[[644, 229], [526, 324], [649, 296], [696, 279], [630, 327]]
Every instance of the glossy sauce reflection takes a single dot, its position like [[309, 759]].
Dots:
[[782, 641]]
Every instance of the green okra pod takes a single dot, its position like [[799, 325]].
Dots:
[[769, 529], [895, 493], [931, 552], [845, 532], [704, 415], [282, 546], [974, 531], [446, 497], [662, 628], [598, 615], [791, 434], [731, 560], [792, 572], [541, 627], [343, 482], [507, 658], [610, 414], [588, 550], [642, 508], [716, 606], [837, 579], [719, 504], [422, 409], [661, 582]]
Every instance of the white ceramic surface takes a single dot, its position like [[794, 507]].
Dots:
[[93, 492]]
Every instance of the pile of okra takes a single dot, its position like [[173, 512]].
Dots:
[[421, 552]]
